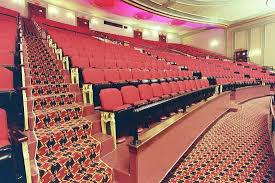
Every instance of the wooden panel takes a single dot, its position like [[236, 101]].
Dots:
[[255, 52], [241, 40], [269, 53]]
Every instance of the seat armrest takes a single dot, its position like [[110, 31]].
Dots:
[[17, 136], [116, 110]]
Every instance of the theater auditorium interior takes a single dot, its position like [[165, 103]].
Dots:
[[137, 91]]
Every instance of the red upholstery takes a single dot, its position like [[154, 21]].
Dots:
[[175, 87], [4, 137], [147, 74], [112, 75], [80, 62], [6, 79], [91, 75], [110, 64], [6, 58], [146, 92], [97, 63], [193, 84], [182, 86], [122, 64], [167, 89], [188, 86], [130, 95], [111, 99], [157, 90], [205, 83], [137, 74], [155, 74], [198, 83], [125, 74]]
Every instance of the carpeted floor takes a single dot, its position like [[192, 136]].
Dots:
[[236, 149]]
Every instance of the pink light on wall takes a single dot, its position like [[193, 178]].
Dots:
[[121, 8]]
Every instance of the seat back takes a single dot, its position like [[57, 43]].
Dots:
[[6, 79], [145, 91], [157, 90], [137, 74], [3, 125], [167, 89], [91, 75], [110, 98], [174, 86], [125, 74], [111, 75], [182, 85], [130, 94], [188, 86]]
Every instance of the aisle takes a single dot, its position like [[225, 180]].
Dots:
[[236, 149]]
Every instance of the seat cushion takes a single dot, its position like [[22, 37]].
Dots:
[[141, 102], [122, 107]]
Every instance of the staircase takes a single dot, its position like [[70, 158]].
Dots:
[[62, 143]]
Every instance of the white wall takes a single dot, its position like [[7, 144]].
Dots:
[[61, 15], [257, 36], [16, 5], [150, 35], [173, 38], [212, 40]]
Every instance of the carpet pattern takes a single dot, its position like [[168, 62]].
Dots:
[[66, 150], [236, 149]]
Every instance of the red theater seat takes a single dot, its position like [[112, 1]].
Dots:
[[80, 62], [125, 74], [146, 92], [112, 75], [137, 74], [6, 58], [175, 87], [167, 89], [4, 137], [111, 100], [98, 63], [6, 79], [130, 95], [95, 76]]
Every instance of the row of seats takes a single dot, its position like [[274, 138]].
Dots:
[[91, 75], [216, 68], [101, 63], [150, 102], [145, 93]]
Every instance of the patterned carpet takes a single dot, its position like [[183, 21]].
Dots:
[[236, 149], [66, 150]]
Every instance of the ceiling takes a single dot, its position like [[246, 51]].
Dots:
[[177, 16], [219, 12]]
